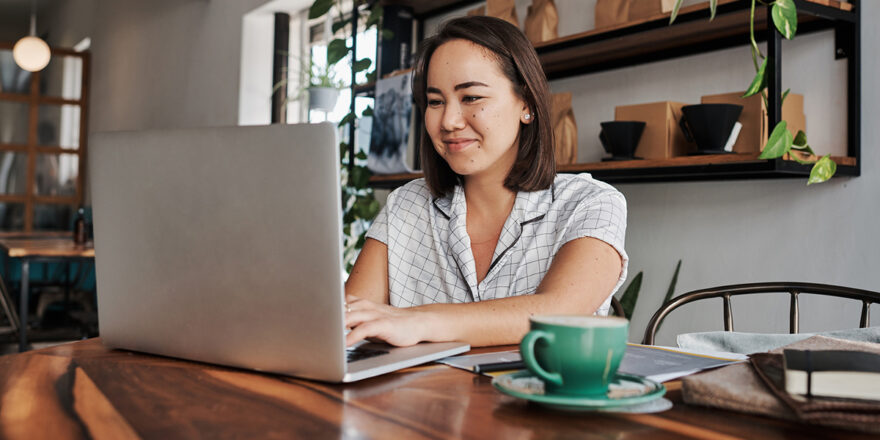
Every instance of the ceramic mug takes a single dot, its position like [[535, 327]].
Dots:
[[575, 355]]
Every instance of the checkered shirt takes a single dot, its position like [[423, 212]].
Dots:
[[429, 250]]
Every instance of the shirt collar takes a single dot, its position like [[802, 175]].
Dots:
[[528, 206]]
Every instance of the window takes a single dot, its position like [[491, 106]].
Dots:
[[42, 141]]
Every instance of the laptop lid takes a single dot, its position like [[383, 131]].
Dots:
[[222, 245]]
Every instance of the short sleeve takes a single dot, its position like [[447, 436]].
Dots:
[[602, 217], [379, 229]]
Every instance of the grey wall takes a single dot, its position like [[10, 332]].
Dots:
[[175, 63]]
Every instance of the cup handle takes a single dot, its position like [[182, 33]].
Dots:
[[527, 351], [604, 141], [685, 129]]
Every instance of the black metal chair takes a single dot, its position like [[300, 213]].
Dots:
[[8, 308], [867, 297]]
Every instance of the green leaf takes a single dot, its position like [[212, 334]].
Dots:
[[671, 290], [631, 295], [346, 120], [759, 82], [822, 170], [368, 111], [360, 176], [784, 95], [336, 51], [387, 34], [337, 25], [375, 16], [778, 144], [361, 155], [371, 76], [362, 64], [713, 6], [800, 140], [319, 8], [784, 16], [675, 9], [795, 156]]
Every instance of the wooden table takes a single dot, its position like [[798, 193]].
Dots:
[[82, 389], [46, 247]]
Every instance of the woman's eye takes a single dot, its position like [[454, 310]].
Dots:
[[471, 98], [434, 102]]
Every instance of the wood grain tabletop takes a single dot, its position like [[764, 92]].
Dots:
[[84, 390]]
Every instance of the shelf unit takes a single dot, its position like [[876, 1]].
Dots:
[[653, 39]]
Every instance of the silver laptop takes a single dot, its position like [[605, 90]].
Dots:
[[224, 245]]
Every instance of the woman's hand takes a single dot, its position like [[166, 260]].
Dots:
[[396, 326]]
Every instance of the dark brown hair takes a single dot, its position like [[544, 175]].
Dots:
[[535, 166]]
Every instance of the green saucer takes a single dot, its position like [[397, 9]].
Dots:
[[524, 385]]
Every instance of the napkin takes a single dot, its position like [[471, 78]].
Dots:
[[757, 387]]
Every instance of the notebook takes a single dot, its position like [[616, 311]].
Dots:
[[224, 245]]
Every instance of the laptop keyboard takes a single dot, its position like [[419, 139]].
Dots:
[[361, 353]]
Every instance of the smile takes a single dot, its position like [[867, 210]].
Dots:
[[456, 145]]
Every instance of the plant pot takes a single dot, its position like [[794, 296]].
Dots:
[[620, 138], [323, 98], [709, 125]]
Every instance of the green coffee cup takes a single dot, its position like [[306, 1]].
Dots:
[[575, 355]]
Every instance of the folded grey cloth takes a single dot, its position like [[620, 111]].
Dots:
[[747, 343], [738, 387]]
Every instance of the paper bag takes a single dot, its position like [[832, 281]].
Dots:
[[542, 21], [614, 12], [564, 129], [503, 9]]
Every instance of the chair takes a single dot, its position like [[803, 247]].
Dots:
[[867, 297], [8, 308]]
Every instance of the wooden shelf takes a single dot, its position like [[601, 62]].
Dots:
[[653, 39], [687, 168]]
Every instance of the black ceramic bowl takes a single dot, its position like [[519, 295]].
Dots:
[[709, 125], [620, 138]]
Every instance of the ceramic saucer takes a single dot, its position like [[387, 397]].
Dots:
[[625, 390]]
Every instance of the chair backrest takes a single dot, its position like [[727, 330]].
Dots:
[[867, 297]]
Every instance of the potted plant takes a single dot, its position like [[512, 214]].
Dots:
[[323, 87]]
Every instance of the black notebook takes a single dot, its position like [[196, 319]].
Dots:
[[832, 373]]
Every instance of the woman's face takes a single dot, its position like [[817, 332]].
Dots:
[[473, 115]]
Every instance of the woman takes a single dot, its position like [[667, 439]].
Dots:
[[491, 235]]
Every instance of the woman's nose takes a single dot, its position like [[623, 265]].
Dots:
[[452, 118]]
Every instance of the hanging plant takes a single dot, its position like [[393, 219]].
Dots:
[[780, 142], [359, 203]]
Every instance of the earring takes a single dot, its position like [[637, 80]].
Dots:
[[528, 116]]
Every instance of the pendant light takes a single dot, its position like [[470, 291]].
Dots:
[[31, 53]]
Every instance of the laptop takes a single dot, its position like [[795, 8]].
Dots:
[[224, 245]]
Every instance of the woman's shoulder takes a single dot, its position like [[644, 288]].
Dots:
[[413, 192], [583, 188]]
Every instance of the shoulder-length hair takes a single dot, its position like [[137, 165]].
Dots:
[[535, 166]]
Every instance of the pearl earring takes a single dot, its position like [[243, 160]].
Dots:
[[528, 116]]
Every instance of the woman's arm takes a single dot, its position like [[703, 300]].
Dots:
[[369, 277], [579, 280]]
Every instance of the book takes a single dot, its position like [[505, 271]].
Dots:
[[656, 363], [832, 373]]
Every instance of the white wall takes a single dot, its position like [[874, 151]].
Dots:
[[175, 63]]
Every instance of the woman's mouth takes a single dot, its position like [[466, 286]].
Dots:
[[456, 145]]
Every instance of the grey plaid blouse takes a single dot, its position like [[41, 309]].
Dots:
[[429, 251]]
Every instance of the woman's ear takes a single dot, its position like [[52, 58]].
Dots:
[[527, 116]]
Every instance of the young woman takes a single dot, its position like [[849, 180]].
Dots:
[[492, 234]]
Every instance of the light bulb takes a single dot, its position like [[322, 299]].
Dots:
[[31, 53]]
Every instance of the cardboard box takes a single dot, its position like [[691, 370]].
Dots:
[[614, 12], [756, 128], [662, 138]]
